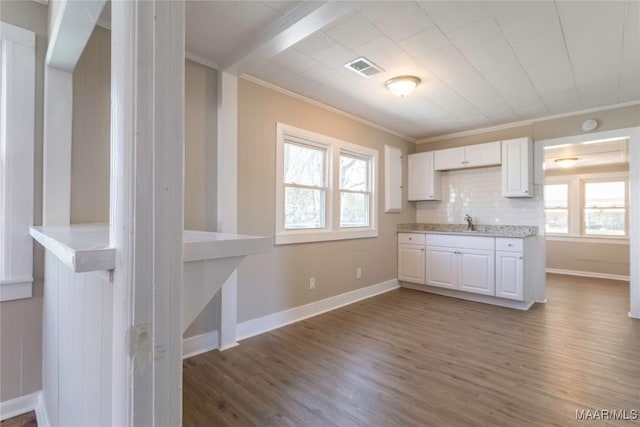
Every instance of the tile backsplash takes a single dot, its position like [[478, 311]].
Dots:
[[478, 192]]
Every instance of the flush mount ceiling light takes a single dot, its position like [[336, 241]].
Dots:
[[566, 162], [402, 86]]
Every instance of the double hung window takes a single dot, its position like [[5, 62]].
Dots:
[[594, 205], [325, 188]]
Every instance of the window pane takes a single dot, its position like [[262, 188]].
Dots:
[[604, 194], [555, 195], [353, 173], [556, 221], [354, 210], [608, 222], [304, 208], [604, 208], [303, 165]]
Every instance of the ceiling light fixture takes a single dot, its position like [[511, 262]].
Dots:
[[402, 86], [566, 162]]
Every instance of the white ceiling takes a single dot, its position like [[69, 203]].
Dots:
[[481, 63], [591, 153]]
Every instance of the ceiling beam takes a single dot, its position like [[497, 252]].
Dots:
[[302, 21], [72, 26]]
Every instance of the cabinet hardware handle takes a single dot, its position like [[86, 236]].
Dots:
[[422, 249], [520, 258], [509, 244]]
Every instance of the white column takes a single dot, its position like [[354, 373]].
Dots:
[[56, 159], [147, 144], [228, 198]]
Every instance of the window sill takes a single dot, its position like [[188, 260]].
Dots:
[[590, 239], [323, 236]]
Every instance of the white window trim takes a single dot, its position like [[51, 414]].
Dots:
[[576, 193], [17, 91], [334, 148]]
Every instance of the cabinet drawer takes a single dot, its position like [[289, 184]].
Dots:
[[508, 245], [415, 238], [461, 242]]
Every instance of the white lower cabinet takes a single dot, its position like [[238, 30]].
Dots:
[[411, 257], [492, 266], [510, 269], [442, 268], [461, 262], [476, 271]]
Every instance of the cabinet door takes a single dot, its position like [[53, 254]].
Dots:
[[486, 154], [441, 267], [424, 182], [392, 179], [449, 158], [510, 275], [517, 168], [476, 271], [411, 263]]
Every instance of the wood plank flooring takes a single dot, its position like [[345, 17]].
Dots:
[[407, 358], [24, 420]]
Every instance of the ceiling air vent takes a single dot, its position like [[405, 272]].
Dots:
[[364, 67]]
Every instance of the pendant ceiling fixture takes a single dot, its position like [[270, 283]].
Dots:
[[566, 162], [402, 86]]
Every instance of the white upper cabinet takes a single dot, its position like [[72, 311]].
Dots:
[[424, 182], [517, 167], [471, 156]]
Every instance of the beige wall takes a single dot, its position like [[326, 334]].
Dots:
[[21, 320], [279, 280], [90, 149], [599, 258]]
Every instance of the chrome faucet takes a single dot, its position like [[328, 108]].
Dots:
[[469, 220]]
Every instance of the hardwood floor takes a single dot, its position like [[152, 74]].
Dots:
[[24, 420], [407, 358]]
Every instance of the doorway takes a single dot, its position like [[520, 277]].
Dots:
[[580, 224]]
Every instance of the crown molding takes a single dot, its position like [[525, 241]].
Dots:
[[324, 106], [522, 123]]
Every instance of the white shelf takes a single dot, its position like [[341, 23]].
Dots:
[[85, 247], [203, 245], [81, 247]]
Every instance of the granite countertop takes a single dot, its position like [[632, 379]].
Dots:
[[518, 231]]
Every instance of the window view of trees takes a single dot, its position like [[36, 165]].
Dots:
[[305, 187], [354, 191], [325, 188]]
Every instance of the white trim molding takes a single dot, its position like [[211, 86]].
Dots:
[[588, 274], [20, 405], [199, 344], [17, 148], [273, 321]]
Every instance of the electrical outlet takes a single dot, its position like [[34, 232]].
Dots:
[[312, 282], [359, 273]]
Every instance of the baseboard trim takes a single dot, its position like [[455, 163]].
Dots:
[[41, 412], [468, 296], [273, 321], [20, 405], [588, 274], [199, 344]]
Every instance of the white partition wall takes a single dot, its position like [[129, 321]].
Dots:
[[147, 86]]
